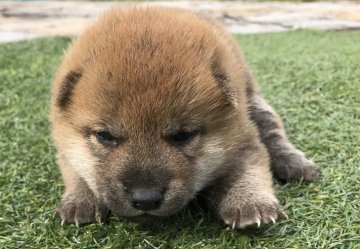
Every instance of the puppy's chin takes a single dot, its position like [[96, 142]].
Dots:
[[144, 218]]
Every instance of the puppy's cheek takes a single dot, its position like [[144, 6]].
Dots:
[[208, 164], [82, 161]]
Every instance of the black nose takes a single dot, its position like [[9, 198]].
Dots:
[[146, 199]]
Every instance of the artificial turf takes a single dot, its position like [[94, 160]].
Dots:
[[312, 78]]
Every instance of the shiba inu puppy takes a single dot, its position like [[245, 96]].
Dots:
[[152, 106]]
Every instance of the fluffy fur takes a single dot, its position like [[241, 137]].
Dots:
[[151, 77]]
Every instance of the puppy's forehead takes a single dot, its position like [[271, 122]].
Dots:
[[164, 85], [149, 95], [129, 66], [153, 98], [149, 61]]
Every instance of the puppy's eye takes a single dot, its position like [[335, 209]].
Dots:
[[181, 137], [106, 138]]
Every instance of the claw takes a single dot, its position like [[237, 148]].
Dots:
[[285, 215], [233, 225], [62, 222], [98, 217], [282, 214], [77, 223], [272, 219], [258, 222]]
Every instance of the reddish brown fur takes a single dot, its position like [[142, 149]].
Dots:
[[145, 73]]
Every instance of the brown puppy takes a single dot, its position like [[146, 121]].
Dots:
[[151, 106]]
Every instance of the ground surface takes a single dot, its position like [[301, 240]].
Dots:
[[28, 19], [311, 78]]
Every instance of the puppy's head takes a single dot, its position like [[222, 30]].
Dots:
[[142, 110]]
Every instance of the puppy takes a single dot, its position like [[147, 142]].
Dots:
[[152, 105]]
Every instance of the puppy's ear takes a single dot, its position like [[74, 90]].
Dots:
[[222, 71], [66, 88]]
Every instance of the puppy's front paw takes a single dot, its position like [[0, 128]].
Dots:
[[80, 209], [250, 210]]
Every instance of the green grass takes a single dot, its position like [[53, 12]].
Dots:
[[311, 78]]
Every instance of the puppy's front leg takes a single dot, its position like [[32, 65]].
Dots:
[[78, 204], [248, 199], [287, 162]]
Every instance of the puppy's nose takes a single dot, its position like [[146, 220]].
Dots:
[[146, 199]]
